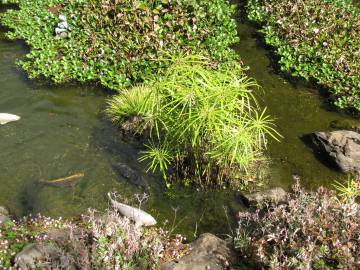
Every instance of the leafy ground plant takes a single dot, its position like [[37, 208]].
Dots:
[[315, 39], [204, 123], [116, 42], [313, 230]]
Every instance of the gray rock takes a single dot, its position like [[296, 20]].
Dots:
[[3, 219], [130, 174], [342, 146], [33, 253], [62, 18], [58, 30], [63, 25], [276, 195], [208, 252], [3, 211], [4, 215]]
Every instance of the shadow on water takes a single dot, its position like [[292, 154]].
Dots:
[[63, 132]]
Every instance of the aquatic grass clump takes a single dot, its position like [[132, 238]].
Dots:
[[349, 190], [203, 123], [115, 42], [317, 40]]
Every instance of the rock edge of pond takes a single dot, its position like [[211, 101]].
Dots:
[[206, 252], [341, 147]]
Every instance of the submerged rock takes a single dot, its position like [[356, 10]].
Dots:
[[207, 252], [31, 254], [130, 174], [275, 195], [348, 124], [342, 146]]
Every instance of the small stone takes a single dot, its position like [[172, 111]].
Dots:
[[33, 253], [4, 211], [275, 195], [62, 18], [59, 30], [63, 25], [208, 252], [3, 219]]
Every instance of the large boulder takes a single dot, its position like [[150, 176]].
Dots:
[[207, 252], [342, 146]]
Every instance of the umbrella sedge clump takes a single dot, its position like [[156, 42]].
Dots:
[[201, 123]]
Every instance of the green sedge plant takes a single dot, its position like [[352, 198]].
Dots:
[[201, 123], [350, 189]]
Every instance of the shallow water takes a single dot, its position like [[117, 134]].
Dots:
[[299, 110], [63, 132]]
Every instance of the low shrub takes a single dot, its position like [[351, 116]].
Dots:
[[315, 39], [94, 241], [313, 230], [117, 42], [206, 124], [15, 235]]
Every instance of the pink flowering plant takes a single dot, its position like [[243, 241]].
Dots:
[[94, 241], [312, 230], [14, 235]]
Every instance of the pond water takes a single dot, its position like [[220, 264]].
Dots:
[[299, 110], [63, 132]]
